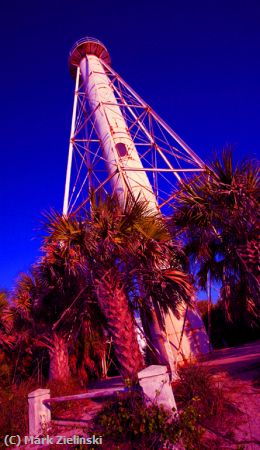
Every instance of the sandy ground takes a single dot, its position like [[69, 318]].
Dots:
[[238, 369]]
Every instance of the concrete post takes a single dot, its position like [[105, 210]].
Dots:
[[39, 414], [155, 382]]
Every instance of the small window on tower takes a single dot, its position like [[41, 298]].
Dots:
[[121, 149]]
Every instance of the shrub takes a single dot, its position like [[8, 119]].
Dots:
[[128, 421], [197, 387], [14, 407]]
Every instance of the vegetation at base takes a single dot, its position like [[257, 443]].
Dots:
[[206, 393], [196, 386], [203, 406], [128, 421]]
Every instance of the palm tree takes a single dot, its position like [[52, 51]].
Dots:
[[39, 298], [68, 304], [25, 326], [217, 217], [6, 323], [96, 241], [51, 310], [7, 339], [58, 284], [120, 249]]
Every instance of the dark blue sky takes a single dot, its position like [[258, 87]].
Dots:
[[197, 63]]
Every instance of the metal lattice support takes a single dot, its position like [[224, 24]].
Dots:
[[165, 157]]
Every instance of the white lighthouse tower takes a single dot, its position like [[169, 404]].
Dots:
[[120, 145]]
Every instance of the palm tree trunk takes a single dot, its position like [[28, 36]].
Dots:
[[113, 303], [59, 360]]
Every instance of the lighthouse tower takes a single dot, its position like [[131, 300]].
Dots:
[[118, 144]]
